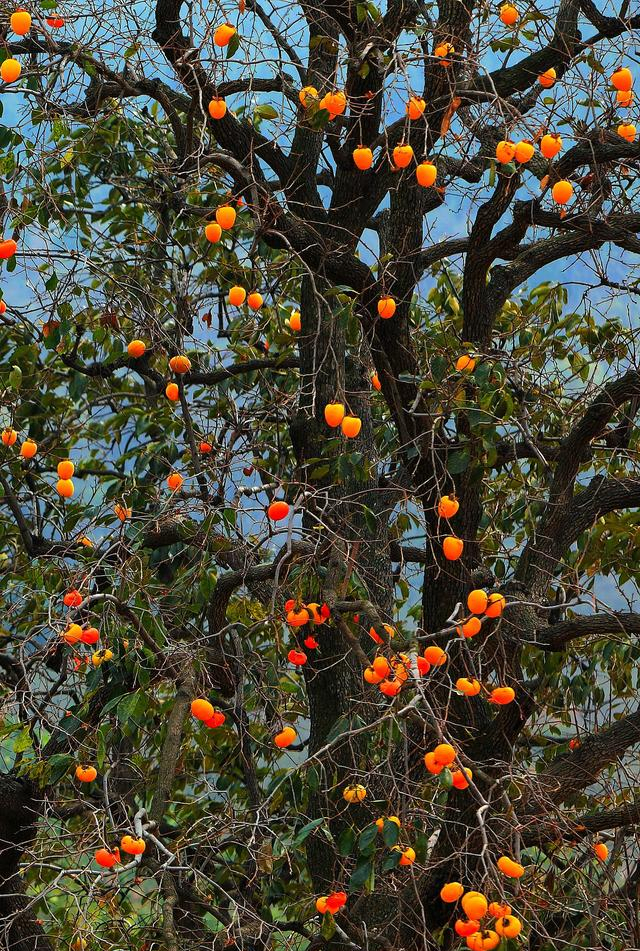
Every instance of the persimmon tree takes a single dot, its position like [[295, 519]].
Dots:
[[319, 476]]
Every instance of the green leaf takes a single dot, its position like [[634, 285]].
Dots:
[[233, 45], [15, 378], [59, 765], [446, 779], [366, 842], [328, 927], [346, 841], [266, 112], [23, 741], [306, 831], [391, 861], [360, 875], [457, 462], [390, 833]]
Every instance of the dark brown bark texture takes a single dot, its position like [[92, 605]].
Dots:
[[20, 807]]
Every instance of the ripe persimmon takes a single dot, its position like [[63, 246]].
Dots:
[[307, 93], [402, 155], [122, 512], [216, 720], [444, 754], [373, 634], [172, 392], [363, 158], [474, 905], [8, 246], [86, 774], [627, 131], [550, 144], [381, 821], [464, 927], [237, 296], [426, 174], [452, 547], [465, 363], [451, 892], [56, 23], [496, 605], [381, 666], [477, 601], [435, 655], [502, 695], [371, 677], [217, 108], [213, 232], [65, 488], [508, 926], [408, 857], [485, 940], [601, 851], [562, 192], [548, 78], [386, 307], [101, 657], [65, 469], [226, 217], [443, 51], [415, 107], [335, 103], [351, 426], [448, 506], [524, 152], [136, 348], [201, 709], [223, 34], [295, 323], [470, 628], [430, 762], [297, 658], [9, 437], [72, 598], [10, 70], [278, 510], [423, 666], [499, 910], [255, 301], [180, 364], [390, 688], [285, 737], [3, 307], [205, 447], [72, 635], [354, 793], [174, 481], [321, 904], [510, 868], [624, 97], [470, 687], [28, 449], [375, 382], [505, 151], [90, 635], [132, 846], [622, 79], [336, 901], [509, 14], [20, 22], [106, 858], [460, 778]]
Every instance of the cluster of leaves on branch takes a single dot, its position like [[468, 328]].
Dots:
[[319, 482]]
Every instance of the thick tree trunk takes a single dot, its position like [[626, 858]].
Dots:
[[20, 805]]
